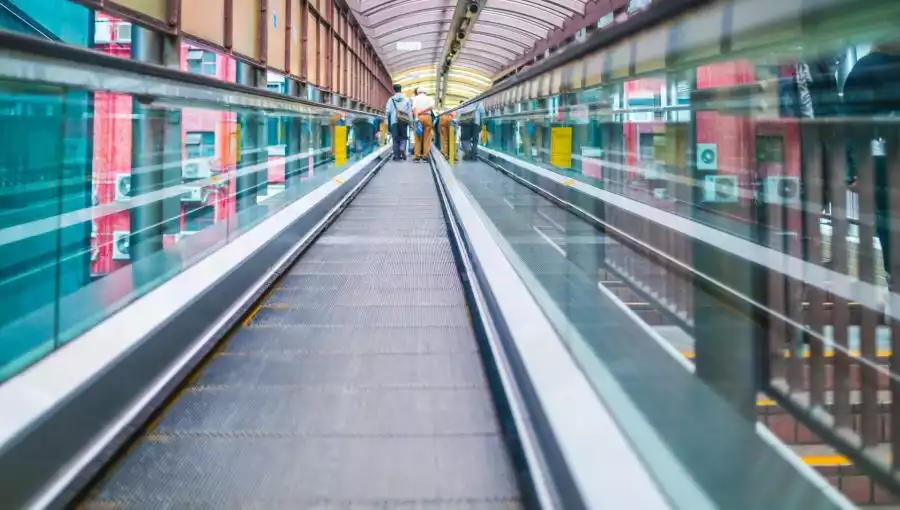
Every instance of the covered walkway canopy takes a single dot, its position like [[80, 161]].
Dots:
[[415, 37]]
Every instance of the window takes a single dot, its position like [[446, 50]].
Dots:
[[201, 144], [202, 62], [770, 149]]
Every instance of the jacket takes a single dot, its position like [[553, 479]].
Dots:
[[397, 101]]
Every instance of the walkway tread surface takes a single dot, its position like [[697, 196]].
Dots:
[[356, 385]]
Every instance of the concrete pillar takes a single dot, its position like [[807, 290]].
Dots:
[[155, 151], [253, 146], [729, 337], [294, 133]]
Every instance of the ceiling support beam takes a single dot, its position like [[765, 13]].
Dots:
[[594, 10]]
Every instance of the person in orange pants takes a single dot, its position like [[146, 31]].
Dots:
[[445, 125], [423, 142], [422, 105]]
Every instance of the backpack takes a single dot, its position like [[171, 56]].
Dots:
[[402, 115]]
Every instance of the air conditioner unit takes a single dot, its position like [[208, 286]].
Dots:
[[781, 190], [123, 33], [721, 189], [121, 246], [194, 195], [196, 169], [102, 32], [123, 187]]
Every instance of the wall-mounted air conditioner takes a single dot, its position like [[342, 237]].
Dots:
[[781, 190], [102, 32], [194, 195], [123, 187], [123, 33], [721, 189], [121, 246], [196, 169]]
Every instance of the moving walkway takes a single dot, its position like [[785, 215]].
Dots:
[[345, 332], [356, 381]]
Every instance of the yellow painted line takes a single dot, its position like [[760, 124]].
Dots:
[[338, 181], [252, 314], [886, 353], [568, 182], [260, 304], [826, 460]]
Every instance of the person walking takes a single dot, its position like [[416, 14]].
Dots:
[[445, 125], [422, 106], [399, 115], [872, 89]]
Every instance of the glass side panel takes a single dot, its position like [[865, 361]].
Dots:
[[103, 197], [729, 188]]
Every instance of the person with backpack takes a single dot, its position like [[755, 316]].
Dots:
[[399, 116]]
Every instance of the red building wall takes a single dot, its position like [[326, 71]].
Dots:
[[112, 153], [736, 137]]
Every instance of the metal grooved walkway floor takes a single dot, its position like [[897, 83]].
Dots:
[[357, 384]]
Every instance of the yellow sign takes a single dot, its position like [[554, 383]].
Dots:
[[340, 145], [484, 135], [451, 143], [561, 147], [236, 144]]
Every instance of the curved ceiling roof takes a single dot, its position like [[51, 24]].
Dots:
[[503, 31]]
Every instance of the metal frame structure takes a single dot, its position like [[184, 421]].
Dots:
[[27, 58], [500, 33], [334, 54], [593, 11]]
